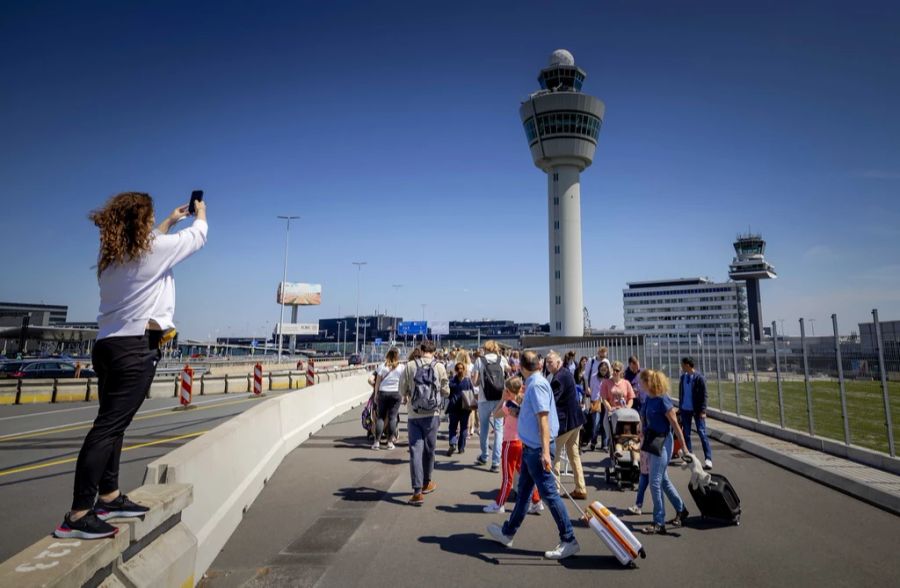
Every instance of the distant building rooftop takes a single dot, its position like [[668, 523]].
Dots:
[[675, 282]]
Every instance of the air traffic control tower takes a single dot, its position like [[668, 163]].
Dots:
[[750, 266], [562, 125]]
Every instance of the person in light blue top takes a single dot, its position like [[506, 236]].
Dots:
[[538, 426]]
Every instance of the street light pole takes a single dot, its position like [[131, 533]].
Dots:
[[396, 288], [287, 234], [358, 265]]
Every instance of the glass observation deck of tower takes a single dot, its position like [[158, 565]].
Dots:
[[750, 259]]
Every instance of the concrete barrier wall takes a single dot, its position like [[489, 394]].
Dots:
[[229, 465], [36, 391], [212, 385], [166, 389], [8, 391]]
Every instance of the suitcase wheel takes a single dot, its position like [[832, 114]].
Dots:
[[643, 553], [737, 520]]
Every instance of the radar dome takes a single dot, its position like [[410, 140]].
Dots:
[[561, 57]]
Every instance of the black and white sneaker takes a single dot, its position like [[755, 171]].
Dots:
[[120, 507], [87, 527]]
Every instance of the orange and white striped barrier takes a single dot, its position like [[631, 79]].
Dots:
[[187, 379], [257, 379], [310, 372]]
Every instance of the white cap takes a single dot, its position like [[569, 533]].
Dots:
[[561, 57]]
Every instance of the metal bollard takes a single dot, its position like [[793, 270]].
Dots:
[[737, 386], [809, 401], [840, 368], [889, 421], [778, 376], [755, 372]]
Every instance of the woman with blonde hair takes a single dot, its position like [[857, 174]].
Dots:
[[658, 423], [137, 307], [387, 398]]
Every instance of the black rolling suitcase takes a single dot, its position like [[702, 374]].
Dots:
[[718, 500]]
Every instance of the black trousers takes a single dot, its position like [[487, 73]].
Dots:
[[125, 369], [388, 415]]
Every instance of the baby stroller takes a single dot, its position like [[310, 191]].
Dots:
[[624, 463]]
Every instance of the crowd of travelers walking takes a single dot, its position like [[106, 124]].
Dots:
[[532, 412]]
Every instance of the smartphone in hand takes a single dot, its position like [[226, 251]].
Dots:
[[195, 196]]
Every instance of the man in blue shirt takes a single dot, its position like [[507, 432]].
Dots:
[[692, 398], [538, 427]]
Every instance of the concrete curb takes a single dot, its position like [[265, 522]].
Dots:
[[864, 492]]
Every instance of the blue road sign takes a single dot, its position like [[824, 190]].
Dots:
[[378, 341], [412, 328], [254, 343]]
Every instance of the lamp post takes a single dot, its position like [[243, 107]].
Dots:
[[396, 288], [358, 265], [287, 235]]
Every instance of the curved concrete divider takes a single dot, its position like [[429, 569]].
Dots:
[[9, 390], [229, 466], [33, 391]]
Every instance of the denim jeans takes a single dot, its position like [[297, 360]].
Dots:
[[485, 408], [643, 482], [599, 428], [459, 428], [533, 474], [661, 484], [422, 439], [686, 417]]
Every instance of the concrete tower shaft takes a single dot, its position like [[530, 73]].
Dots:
[[562, 126]]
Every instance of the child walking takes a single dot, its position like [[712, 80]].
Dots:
[[512, 447]]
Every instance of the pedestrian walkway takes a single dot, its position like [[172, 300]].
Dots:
[[335, 515], [876, 486]]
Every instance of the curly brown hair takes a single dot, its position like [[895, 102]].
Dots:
[[126, 224]]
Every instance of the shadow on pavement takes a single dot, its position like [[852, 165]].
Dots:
[[385, 460], [462, 508], [484, 549], [593, 562]]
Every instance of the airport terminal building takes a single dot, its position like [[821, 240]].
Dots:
[[686, 306]]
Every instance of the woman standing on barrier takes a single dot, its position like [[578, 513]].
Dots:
[[137, 306], [387, 399]]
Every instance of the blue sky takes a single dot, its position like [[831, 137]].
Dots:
[[393, 131]]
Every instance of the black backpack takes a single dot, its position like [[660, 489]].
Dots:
[[426, 396], [494, 381]]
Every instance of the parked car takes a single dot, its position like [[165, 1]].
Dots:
[[8, 368], [355, 359], [49, 368]]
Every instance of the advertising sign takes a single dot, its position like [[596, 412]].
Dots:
[[440, 327], [299, 294], [412, 328], [298, 329]]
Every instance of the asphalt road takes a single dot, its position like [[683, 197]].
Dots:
[[39, 445], [349, 525]]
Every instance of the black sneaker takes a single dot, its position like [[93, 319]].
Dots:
[[679, 519], [480, 461], [495, 468], [120, 507], [450, 451], [87, 527], [654, 530]]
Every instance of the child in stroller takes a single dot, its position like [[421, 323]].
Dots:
[[624, 463]]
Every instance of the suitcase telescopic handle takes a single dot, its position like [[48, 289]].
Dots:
[[561, 485]]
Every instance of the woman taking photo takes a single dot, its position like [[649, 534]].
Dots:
[[387, 400], [137, 307], [658, 423]]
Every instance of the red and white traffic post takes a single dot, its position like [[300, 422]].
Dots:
[[310, 372], [257, 379], [187, 379]]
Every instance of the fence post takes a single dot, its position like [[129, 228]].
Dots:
[[718, 371], [755, 372], [778, 375], [737, 386], [840, 367], [668, 364], [889, 421], [809, 406]]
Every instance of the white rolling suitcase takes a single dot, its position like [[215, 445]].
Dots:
[[612, 531]]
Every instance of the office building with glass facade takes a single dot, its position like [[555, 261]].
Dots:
[[686, 306]]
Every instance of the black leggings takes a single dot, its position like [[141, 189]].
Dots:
[[388, 410], [125, 369]]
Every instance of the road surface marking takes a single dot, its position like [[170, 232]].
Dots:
[[88, 424], [57, 462]]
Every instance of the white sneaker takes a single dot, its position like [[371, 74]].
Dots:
[[496, 533], [564, 550], [536, 508], [494, 507], [707, 465], [376, 446], [391, 445], [635, 509]]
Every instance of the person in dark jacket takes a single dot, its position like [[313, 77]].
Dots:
[[458, 410], [571, 418], [692, 400]]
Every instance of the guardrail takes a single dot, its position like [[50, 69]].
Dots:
[[165, 385]]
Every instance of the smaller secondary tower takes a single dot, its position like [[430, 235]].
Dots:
[[562, 125], [750, 266]]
